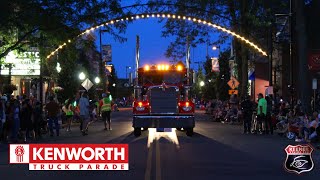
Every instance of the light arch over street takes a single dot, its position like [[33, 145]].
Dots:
[[167, 16]]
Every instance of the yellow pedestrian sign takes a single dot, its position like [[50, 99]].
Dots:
[[233, 92], [233, 83]]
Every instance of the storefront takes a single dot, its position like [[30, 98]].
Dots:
[[22, 69]]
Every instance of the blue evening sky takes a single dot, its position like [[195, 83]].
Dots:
[[152, 45]]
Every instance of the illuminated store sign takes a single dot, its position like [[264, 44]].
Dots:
[[23, 64]]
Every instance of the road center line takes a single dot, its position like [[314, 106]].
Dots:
[[147, 175], [158, 161]]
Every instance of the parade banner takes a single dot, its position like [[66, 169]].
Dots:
[[106, 53], [215, 65]]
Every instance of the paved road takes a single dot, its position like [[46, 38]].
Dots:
[[215, 151]]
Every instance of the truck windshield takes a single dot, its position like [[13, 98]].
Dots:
[[169, 77]]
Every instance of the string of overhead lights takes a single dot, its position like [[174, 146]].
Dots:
[[172, 16]]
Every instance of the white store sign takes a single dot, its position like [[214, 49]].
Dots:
[[27, 63]]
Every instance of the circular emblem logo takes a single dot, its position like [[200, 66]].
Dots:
[[19, 151]]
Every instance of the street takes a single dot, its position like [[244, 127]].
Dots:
[[215, 151]]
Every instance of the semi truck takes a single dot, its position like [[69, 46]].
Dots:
[[163, 98]]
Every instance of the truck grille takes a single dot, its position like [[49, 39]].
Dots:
[[163, 101]]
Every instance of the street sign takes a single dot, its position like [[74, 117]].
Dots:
[[233, 92], [87, 84], [233, 83], [314, 84]]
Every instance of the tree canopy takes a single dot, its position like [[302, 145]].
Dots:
[[46, 24], [26, 23]]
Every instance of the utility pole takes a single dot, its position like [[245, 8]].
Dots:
[[41, 75], [137, 88], [207, 50], [102, 65], [137, 57], [10, 73], [290, 22], [270, 54], [188, 60], [291, 55]]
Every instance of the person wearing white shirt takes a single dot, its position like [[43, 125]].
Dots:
[[309, 129]]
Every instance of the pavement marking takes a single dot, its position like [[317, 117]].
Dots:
[[147, 175], [158, 161]]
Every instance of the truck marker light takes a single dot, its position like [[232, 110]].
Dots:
[[167, 67], [140, 104], [179, 68], [147, 68], [162, 67]]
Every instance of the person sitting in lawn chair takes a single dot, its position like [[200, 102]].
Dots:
[[309, 130]]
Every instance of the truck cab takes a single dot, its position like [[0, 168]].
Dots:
[[162, 98]]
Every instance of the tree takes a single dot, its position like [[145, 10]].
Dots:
[[197, 89], [47, 24], [250, 18], [217, 81], [23, 20]]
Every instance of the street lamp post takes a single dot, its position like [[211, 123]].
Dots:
[[82, 76], [102, 63], [291, 58], [216, 48], [291, 86], [97, 80], [58, 67]]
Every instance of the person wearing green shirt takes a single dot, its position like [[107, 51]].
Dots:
[[262, 111], [68, 109]]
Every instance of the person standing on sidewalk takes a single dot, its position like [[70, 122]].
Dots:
[[68, 109], [247, 109], [16, 121], [84, 107], [26, 119], [262, 112], [53, 109], [37, 119], [2, 116], [105, 109]]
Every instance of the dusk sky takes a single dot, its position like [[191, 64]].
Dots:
[[152, 45]]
